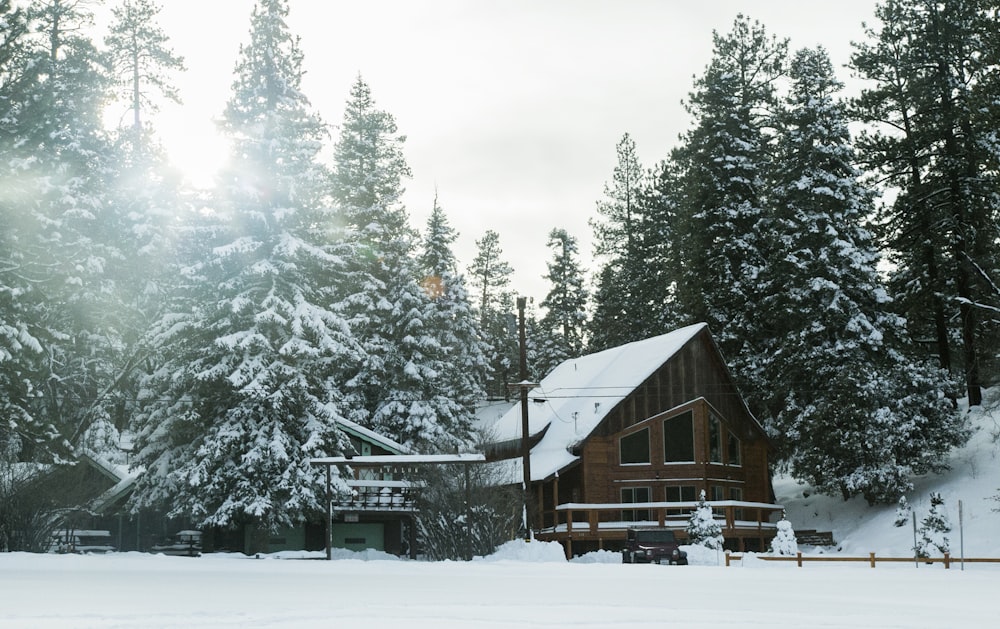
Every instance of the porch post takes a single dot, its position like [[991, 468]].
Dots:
[[329, 517]]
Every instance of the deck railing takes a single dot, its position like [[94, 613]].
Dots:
[[594, 519]]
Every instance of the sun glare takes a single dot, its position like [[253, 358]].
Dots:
[[196, 150]]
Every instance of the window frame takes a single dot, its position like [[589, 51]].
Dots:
[[621, 451], [689, 414]]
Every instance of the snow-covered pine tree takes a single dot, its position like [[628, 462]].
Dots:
[[144, 189], [249, 389], [702, 529], [452, 356], [934, 112], [64, 236], [392, 390], [562, 327], [854, 415], [932, 535], [722, 205], [489, 275], [903, 513], [784, 542]]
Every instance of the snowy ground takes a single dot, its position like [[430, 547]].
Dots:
[[513, 589], [533, 586]]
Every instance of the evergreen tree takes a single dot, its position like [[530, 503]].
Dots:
[[63, 234], [275, 135], [935, 114], [451, 358], [830, 340], [395, 388], [248, 391], [140, 60], [721, 167], [702, 529], [631, 240], [932, 536], [489, 275], [562, 327]]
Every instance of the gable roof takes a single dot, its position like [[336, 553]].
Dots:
[[371, 436], [570, 402]]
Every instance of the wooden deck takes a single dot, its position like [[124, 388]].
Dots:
[[745, 525]]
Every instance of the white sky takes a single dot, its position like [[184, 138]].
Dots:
[[512, 109]]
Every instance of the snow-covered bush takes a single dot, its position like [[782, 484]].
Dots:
[[932, 538], [903, 513], [702, 528], [784, 542]]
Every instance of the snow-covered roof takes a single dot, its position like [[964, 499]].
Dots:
[[570, 402], [400, 459], [370, 435]]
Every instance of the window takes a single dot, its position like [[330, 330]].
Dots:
[[734, 450], [717, 493], [684, 493], [678, 438], [736, 493], [714, 439], [634, 448], [632, 495]]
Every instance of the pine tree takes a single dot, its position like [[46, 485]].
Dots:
[[722, 165], [932, 534], [394, 388], [275, 135], [451, 358], [489, 274], [702, 529], [140, 59], [933, 65], [249, 389], [630, 300], [54, 160], [562, 326], [831, 339]]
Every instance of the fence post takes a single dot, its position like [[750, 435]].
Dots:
[[947, 561], [727, 558], [798, 558], [871, 559]]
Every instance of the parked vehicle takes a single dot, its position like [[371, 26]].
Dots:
[[181, 544], [81, 541], [653, 545]]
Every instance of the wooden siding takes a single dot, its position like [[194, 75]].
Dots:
[[694, 379]]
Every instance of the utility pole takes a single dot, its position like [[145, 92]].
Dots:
[[525, 449]]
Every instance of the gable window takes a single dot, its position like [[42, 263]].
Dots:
[[714, 439], [634, 448], [734, 450], [633, 495], [678, 438]]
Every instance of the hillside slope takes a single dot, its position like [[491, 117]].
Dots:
[[973, 479]]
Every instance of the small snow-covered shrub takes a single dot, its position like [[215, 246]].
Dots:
[[932, 535], [784, 542], [702, 528], [903, 513]]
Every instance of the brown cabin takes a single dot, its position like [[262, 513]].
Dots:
[[633, 435]]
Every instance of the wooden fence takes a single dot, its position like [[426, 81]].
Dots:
[[871, 559]]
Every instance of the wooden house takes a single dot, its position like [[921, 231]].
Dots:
[[633, 435]]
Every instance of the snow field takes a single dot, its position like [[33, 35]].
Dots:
[[521, 586]]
